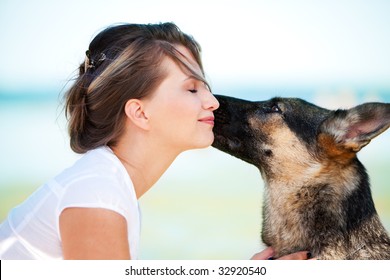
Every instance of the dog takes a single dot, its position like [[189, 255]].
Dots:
[[317, 193]]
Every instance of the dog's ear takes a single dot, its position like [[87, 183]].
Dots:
[[353, 129]]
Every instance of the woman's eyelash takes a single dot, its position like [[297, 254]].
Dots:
[[193, 90]]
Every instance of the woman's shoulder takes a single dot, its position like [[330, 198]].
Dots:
[[98, 163], [96, 180], [97, 170]]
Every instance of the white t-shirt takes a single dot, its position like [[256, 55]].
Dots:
[[97, 180]]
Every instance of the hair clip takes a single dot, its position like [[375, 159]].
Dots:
[[90, 63], [102, 57]]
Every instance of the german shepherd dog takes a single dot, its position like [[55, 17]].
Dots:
[[317, 193]]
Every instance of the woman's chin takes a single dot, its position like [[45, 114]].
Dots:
[[207, 142]]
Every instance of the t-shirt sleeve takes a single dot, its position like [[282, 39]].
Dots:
[[94, 192]]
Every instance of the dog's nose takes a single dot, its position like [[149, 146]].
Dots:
[[221, 117]]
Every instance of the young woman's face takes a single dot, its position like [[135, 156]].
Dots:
[[180, 111]]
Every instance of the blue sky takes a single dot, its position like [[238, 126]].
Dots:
[[253, 42]]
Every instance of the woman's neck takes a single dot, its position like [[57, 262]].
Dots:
[[144, 161]]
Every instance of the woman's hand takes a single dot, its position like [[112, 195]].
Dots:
[[268, 253]]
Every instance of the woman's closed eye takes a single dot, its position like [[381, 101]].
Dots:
[[193, 90]]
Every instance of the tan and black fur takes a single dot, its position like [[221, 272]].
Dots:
[[317, 193]]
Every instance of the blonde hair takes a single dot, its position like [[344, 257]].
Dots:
[[122, 63]]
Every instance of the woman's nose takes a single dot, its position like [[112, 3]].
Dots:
[[210, 102]]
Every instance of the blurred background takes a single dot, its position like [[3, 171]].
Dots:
[[208, 205]]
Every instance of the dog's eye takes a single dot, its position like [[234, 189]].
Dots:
[[275, 108]]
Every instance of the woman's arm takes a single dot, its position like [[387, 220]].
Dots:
[[93, 233]]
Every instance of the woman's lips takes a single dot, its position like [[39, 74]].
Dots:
[[208, 120]]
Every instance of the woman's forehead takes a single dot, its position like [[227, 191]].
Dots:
[[181, 64], [176, 68], [189, 57]]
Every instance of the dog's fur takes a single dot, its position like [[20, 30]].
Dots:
[[317, 193]]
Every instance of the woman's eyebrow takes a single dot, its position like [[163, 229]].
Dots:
[[191, 77], [196, 78]]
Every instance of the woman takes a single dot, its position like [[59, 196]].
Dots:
[[140, 99]]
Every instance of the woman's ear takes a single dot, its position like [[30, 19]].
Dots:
[[134, 110]]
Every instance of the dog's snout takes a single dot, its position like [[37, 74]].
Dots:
[[221, 117]]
